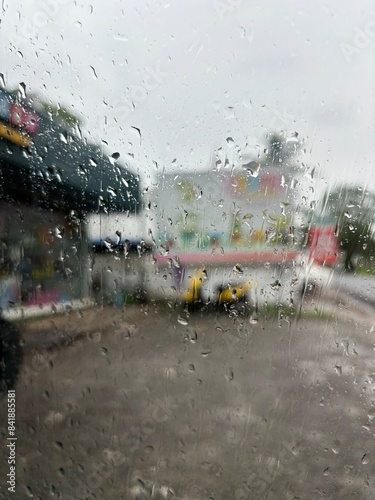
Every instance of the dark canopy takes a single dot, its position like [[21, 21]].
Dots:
[[57, 169]]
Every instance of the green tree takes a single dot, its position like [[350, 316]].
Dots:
[[281, 149], [351, 209], [61, 114]]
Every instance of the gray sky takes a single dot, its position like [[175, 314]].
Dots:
[[190, 73]]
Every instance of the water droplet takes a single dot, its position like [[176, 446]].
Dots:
[[111, 191], [293, 138], [229, 113], [94, 71], [230, 375], [248, 216], [365, 459], [176, 262], [252, 167], [164, 249], [138, 130], [193, 337], [107, 243], [336, 447], [275, 285], [293, 183], [182, 321], [230, 141], [237, 269], [338, 369], [326, 471], [191, 367], [22, 90], [253, 320], [63, 138]]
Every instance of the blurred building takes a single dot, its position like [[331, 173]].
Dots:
[[235, 210]]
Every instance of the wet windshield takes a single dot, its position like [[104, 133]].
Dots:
[[187, 250]]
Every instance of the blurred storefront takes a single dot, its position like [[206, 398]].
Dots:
[[50, 179], [42, 257]]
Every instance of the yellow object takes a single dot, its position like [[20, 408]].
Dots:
[[14, 136], [192, 294], [234, 293]]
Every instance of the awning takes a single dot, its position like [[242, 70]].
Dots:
[[42, 162]]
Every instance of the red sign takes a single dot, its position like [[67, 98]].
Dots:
[[324, 246]]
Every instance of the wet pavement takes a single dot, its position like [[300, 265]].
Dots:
[[148, 403]]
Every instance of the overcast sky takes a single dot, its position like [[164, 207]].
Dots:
[[190, 73]]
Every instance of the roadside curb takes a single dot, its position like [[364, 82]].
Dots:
[[62, 329], [30, 312]]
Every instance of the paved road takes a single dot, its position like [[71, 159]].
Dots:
[[149, 405], [360, 287]]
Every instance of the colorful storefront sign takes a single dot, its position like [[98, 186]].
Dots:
[[17, 123], [198, 211]]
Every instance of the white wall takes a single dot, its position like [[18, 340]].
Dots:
[[133, 227]]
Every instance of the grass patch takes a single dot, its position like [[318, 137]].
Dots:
[[365, 271], [283, 311], [278, 311]]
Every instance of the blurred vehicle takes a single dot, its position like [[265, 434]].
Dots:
[[222, 292]]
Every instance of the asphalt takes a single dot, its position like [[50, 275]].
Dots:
[[158, 404]]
